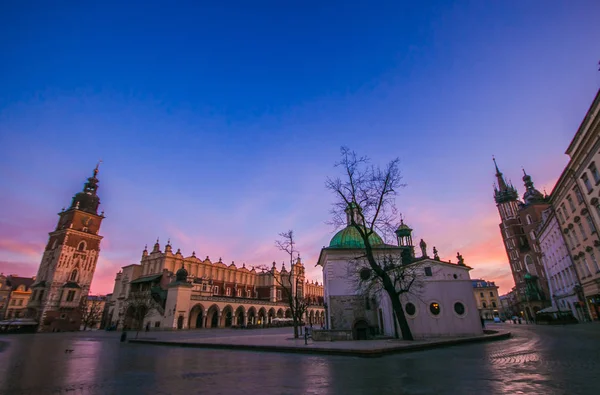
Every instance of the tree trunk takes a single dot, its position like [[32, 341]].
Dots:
[[399, 313], [295, 328]]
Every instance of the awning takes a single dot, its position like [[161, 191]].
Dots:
[[18, 322], [146, 279]]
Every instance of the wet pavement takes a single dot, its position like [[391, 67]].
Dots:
[[536, 360]]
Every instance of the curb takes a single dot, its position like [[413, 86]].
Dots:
[[373, 353]]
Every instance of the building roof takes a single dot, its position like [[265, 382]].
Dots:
[[146, 279], [479, 283], [14, 282], [349, 237]]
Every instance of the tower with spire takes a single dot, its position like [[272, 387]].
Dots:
[[519, 220], [68, 263]]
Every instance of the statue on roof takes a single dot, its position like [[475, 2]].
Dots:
[[460, 258], [423, 246], [435, 254]]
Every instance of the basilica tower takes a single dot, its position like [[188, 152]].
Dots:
[[68, 263], [518, 222]]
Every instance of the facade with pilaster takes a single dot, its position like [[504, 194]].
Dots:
[[192, 293]]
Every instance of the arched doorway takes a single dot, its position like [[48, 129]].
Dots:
[[251, 316], [262, 316], [288, 313], [196, 317], [212, 317], [272, 314], [239, 316], [360, 330], [227, 319], [180, 322]]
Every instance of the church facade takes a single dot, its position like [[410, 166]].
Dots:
[[68, 263], [193, 293], [439, 302]]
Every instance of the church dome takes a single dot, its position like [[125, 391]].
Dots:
[[350, 238], [181, 274]]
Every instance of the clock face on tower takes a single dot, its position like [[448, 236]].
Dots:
[[86, 221]]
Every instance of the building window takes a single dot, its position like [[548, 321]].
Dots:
[[578, 194], [585, 266], [528, 219], [228, 291], [204, 287], [434, 308], [560, 215], [494, 304], [580, 225], [481, 294], [248, 293], [492, 294], [215, 290], [459, 308], [575, 237], [586, 182], [571, 205], [239, 293], [484, 305], [278, 294], [81, 246], [590, 223], [428, 272], [70, 296], [410, 309], [73, 276], [564, 209], [595, 173], [595, 262]]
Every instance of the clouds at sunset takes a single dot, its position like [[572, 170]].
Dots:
[[220, 144]]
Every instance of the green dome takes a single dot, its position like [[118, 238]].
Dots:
[[350, 238]]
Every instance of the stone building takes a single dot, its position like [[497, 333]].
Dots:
[[15, 292], [487, 299], [198, 293], [560, 271], [440, 301], [576, 200], [68, 263], [519, 220]]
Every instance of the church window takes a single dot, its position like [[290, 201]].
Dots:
[[248, 293], [239, 293], [578, 194], [73, 276], [81, 246], [459, 308], [215, 290], [410, 309], [228, 291], [595, 172], [41, 295], [70, 296], [428, 272], [204, 287], [587, 183], [278, 294], [434, 308]]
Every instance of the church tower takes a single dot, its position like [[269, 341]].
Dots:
[[68, 263], [518, 222]]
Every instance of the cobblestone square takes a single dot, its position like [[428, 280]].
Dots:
[[536, 360]]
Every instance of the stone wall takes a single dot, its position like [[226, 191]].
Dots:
[[331, 335], [345, 310]]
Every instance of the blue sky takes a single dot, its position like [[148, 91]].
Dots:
[[218, 125]]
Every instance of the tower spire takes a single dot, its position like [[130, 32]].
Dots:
[[503, 192], [499, 176]]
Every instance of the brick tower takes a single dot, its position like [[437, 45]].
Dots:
[[68, 263]]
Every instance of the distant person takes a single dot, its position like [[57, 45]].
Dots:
[[482, 322], [148, 327]]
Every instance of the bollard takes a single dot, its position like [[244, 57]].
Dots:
[[305, 339]]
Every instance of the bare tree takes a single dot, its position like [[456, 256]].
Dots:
[[91, 312], [138, 306], [291, 283], [365, 199]]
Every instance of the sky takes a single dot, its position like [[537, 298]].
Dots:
[[218, 125]]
